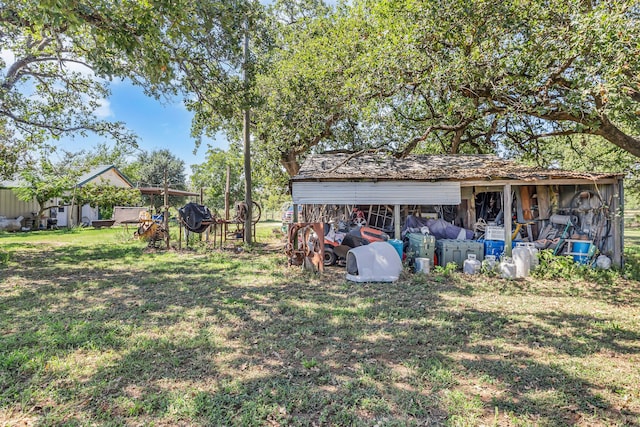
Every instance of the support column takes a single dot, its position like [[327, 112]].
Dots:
[[396, 221], [617, 212], [507, 208]]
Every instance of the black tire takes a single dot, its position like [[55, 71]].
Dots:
[[329, 256]]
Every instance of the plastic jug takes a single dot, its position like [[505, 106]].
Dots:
[[522, 259], [490, 262], [422, 265], [533, 251], [471, 264], [507, 268]]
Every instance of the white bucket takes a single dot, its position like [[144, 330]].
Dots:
[[422, 265]]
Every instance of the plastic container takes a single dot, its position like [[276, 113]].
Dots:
[[579, 248], [422, 265], [456, 251], [471, 265], [533, 252], [494, 233], [490, 262], [421, 245], [494, 247], [522, 260], [507, 268], [398, 245]]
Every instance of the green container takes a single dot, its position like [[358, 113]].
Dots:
[[450, 250], [421, 246]]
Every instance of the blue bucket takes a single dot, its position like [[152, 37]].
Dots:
[[581, 248], [398, 246]]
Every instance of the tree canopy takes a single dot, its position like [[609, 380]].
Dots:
[[450, 76], [63, 50]]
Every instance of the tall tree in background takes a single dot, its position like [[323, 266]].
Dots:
[[211, 177], [151, 169]]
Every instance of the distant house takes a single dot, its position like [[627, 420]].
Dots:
[[12, 207], [99, 175]]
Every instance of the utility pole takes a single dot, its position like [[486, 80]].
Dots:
[[246, 131]]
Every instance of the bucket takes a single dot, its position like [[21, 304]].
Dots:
[[422, 265], [581, 248], [398, 245]]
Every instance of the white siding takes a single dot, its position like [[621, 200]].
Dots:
[[109, 177], [383, 192]]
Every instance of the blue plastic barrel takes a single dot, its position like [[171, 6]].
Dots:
[[398, 245]]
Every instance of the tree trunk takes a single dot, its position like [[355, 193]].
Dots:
[[290, 162], [617, 137]]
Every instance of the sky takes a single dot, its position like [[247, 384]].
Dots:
[[158, 125]]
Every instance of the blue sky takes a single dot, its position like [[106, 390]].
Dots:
[[159, 125]]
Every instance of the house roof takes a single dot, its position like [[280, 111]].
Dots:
[[342, 166], [170, 191], [96, 171]]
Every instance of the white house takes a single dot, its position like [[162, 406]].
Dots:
[[12, 207]]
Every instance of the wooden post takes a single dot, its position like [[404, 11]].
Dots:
[[617, 211], [508, 201], [396, 221], [202, 203], [166, 205]]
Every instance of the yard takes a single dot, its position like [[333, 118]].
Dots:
[[97, 330]]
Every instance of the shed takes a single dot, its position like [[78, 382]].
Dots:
[[466, 187]]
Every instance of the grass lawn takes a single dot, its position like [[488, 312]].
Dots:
[[95, 329]]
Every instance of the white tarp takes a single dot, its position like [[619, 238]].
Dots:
[[376, 262]]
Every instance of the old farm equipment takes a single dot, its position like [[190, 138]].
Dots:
[[305, 245], [239, 220], [151, 229], [196, 218]]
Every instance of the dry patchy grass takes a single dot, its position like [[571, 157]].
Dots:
[[111, 334]]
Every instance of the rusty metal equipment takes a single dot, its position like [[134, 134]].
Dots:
[[150, 229], [305, 245]]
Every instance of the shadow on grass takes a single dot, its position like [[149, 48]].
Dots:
[[221, 340]]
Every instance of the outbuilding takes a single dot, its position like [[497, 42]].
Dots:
[[470, 191]]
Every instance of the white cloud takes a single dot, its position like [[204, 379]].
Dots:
[[104, 110]]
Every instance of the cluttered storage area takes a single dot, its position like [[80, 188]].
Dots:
[[436, 210]]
